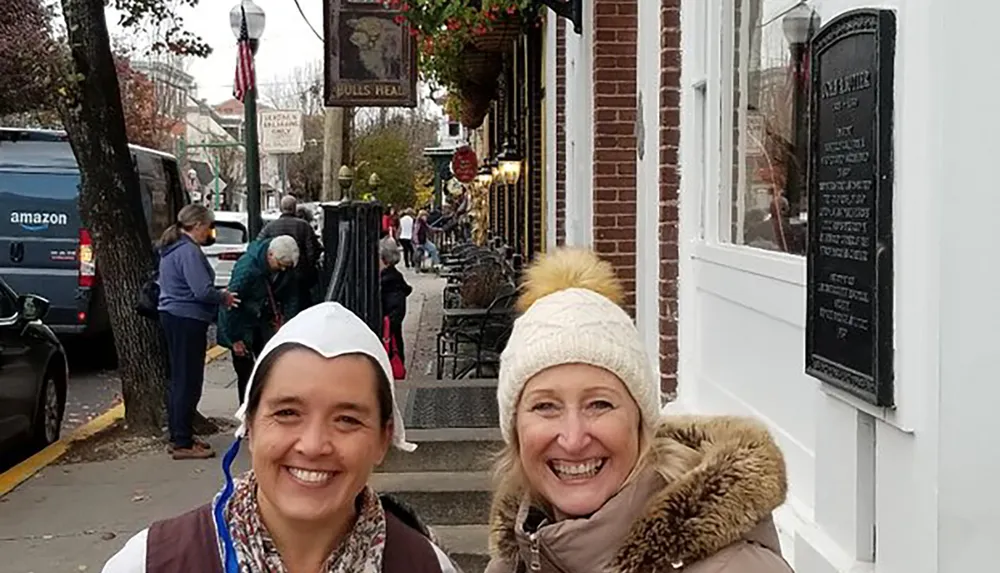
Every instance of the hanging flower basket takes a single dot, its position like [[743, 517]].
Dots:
[[475, 103], [497, 36], [473, 113], [480, 67]]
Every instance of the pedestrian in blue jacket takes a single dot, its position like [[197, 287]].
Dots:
[[188, 303]]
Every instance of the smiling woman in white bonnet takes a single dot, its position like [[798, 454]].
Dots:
[[319, 414]]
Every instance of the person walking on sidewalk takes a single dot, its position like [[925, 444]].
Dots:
[[188, 303], [394, 290], [406, 236], [319, 415], [423, 244], [310, 249], [265, 281], [592, 476]]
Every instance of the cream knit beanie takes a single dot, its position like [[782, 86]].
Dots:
[[571, 314]]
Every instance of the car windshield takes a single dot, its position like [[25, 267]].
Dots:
[[227, 233]]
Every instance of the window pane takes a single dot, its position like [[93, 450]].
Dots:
[[230, 233], [769, 202]]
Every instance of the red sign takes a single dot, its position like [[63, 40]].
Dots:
[[465, 164]]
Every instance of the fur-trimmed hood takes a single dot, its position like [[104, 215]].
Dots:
[[667, 516]]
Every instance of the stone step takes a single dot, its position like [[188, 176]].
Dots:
[[440, 498], [445, 450], [468, 545]]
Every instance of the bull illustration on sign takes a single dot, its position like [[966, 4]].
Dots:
[[370, 56], [372, 42]]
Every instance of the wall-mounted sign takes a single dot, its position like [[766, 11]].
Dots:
[[281, 132], [849, 326], [370, 57], [465, 164]]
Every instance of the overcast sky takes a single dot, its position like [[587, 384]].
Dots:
[[287, 43]]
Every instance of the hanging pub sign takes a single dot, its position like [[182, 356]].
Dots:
[[465, 164], [849, 292], [370, 58]]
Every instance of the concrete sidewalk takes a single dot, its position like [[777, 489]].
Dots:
[[71, 518]]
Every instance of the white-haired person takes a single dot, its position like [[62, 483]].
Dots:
[[593, 478], [394, 289], [269, 295]]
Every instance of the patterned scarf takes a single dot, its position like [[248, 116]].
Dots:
[[359, 552]]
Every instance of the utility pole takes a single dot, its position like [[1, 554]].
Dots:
[[333, 129], [347, 157], [337, 128]]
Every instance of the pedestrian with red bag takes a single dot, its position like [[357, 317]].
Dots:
[[394, 290]]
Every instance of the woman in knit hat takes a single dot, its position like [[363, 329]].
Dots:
[[318, 416], [592, 477]]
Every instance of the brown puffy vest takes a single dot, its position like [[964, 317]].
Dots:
[[188, 543]]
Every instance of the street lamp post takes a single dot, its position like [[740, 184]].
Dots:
[[798, 25], [250, 15]]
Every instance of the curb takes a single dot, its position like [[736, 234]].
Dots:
[[23, 471]]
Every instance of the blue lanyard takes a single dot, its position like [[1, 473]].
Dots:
[[218, 512]]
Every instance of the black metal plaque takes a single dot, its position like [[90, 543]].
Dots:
[[370, 56], [849, 326]]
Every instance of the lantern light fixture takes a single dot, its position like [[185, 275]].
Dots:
[[510, 165], [799, 24], [485, 176], [255, 21]]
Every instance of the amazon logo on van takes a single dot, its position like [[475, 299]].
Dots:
[[35, 221]]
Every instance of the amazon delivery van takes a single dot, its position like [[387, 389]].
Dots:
[[44, 248]]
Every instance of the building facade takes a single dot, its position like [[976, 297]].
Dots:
[[674, 136]]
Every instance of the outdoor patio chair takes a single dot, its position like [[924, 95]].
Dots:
[[466, 340], [494, 332]]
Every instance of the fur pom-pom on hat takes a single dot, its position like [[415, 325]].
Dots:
[[569, 268], [572, 314]]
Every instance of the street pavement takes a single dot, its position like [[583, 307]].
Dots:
[[71, 518]]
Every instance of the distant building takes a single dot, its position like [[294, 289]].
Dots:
[[451, 133], [172, 88], [172, 85]]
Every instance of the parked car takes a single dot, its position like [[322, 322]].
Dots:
[[231, 238], [33, 373], [44, 247]]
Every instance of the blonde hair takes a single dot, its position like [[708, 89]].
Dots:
[[189, 217]]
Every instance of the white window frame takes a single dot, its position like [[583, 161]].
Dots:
[[716, 245]]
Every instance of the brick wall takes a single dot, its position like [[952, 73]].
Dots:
[[536, 105], [560, 134], [670, 73], [615, 57]]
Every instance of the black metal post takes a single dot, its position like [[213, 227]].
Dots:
[[254, 222], [795, 182]]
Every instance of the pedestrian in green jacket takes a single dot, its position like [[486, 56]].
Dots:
[[268, 290]]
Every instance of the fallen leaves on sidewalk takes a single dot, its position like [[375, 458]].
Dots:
[[118, 442]]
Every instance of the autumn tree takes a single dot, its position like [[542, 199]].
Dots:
[[305, 170], [26, 49], [79, 75], [144, 122]]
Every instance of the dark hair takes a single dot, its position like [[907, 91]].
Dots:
[[188, 218], [264, 369]]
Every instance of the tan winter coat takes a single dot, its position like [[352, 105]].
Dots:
[[714, 518]]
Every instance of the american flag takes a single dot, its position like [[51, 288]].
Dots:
[[245, 79]]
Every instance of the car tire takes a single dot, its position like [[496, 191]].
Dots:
[[52, 405]]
